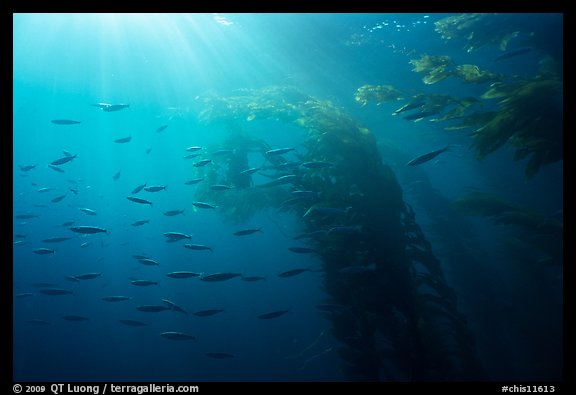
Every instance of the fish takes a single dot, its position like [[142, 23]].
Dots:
[[26, 167], [88, 229], [317, 165], [202, 163], [220, 187], [420, 115], [249, 171], [58, 198], [287, 179], [132, 323], [56, 239], [252, 278], [55, 291], [173, 306], [74, 318], [68, 223], [46, 189], [155, 188], [87, 276], [72, 279], [161, 128], [219, 355], [116, 176], [203, 205], [63, 160], [148, 150], [246, 232], [302, 250], [177, 336], [74, 191], [19, 242], [43, 251], [293, 272], [194, 181], [512, 54], [64, 122], [88, 211], [139, 256], [138, 188], [143, 283], [198, 247], [191, 156], [26, 216], [123, 140], [24, 295], [207, 313], [152, 308], [56, 168], [149, 262], [172, 213], [138, 200], [193, 148], [85, 244], [177, 236], [38, 322], [183, 274], [426, 157], [115, 298], [140, 222], [279, 151], [273, 314], [113, 107], [219, 277]]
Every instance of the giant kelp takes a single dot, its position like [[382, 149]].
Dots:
[[530, 118], [529, 113], [438, 68], [399, 319]]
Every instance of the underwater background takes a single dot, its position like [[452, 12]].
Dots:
[[297, 129]]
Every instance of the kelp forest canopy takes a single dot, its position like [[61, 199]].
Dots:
[[525, 112]]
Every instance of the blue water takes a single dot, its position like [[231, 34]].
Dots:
[[163, 66]]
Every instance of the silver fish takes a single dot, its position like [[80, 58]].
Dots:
[[152, 308], [138, 188], [172, 213], [43, 251], [177, 236], [203, 205], [63, 160], [183, 274], [219, 277], [426, 157], [87, 229], [115, 298], [138, 200], [87, 276], [123, 140], [64, 122], [156, 188], [198, 247]]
